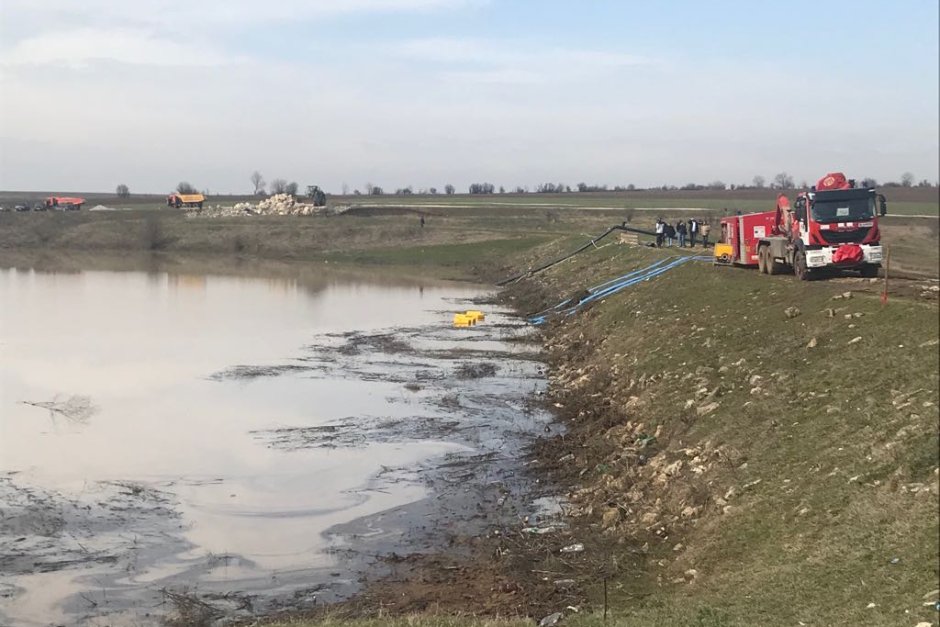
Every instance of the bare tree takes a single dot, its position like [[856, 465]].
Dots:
[[278, 186], [258, 182], [907, 179], [185, 188], [758, 181], [449, 189], [291, 188], [783, 181], [369, 189], [481, 188], [123, 191], [345, 189]]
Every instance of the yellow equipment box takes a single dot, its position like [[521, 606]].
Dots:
[[463, 320], [476, 315], [724, 254]]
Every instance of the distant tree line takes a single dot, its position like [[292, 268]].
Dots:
[[482, 188], [780, 181]]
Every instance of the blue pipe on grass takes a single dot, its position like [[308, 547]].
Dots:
[[613, 286]]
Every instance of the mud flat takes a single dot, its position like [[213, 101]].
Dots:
[[252, 446]]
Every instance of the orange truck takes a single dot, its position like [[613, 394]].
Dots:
[[185, 200]]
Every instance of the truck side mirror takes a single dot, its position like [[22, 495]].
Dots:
[[882, 205]]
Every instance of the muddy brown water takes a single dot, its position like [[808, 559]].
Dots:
[[251, 440]]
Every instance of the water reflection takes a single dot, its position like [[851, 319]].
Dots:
[[119, 355]]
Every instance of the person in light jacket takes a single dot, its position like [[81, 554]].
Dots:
[[706, 229]]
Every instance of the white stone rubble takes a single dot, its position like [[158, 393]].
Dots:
[[277, 205]]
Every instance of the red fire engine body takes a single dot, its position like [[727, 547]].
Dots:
[[832, 226], [67, 203]]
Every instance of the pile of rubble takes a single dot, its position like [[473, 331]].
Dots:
[[277, 205]]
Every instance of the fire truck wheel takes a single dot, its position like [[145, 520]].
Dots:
[[800, 269], [762, 260]]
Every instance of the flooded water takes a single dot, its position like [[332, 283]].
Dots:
[[231, 435]]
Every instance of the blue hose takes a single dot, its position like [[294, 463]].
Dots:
[[613, 286], [594, 289]]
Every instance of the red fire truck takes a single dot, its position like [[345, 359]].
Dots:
[[66, 203], [833, 226]]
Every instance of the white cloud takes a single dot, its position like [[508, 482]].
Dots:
[[511, 62], [80, 47], [459, 50], [325, 106], [202, 14]]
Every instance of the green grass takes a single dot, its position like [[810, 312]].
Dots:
[[446, 255], [828, 437], [685, 616], [407, 621], [574, 201], [913, 208], [901, 201]]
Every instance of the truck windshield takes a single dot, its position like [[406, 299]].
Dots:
[[851, 210]]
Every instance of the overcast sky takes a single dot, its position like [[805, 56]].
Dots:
[[429, 92]]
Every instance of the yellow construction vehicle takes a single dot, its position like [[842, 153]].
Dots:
[[185, 200]]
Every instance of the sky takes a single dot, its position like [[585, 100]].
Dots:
[[423, 93]]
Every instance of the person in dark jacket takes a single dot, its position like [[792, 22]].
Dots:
[[681, 233], [670, 233], [693, 232]]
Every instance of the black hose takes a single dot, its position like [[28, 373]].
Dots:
[[592, 242]]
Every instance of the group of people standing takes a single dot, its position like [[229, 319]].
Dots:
[[681, 233]]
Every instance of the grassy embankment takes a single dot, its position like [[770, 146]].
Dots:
[[461, 240], [785, 463], [452, 244]]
